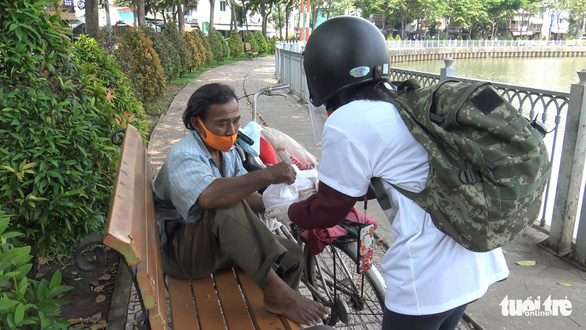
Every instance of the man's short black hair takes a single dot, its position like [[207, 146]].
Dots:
[[201, 100]]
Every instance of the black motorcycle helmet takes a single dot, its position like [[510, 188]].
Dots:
[[343, 52]]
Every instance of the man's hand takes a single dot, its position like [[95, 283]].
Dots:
[[282, 173], [279, 212]]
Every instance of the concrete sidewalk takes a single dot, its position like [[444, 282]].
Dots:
[[494, 311]]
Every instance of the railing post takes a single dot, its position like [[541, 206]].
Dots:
[[581, 236], [448, 71], [572, 164]]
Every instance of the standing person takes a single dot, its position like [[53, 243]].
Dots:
[[430, 278], [207, 206]]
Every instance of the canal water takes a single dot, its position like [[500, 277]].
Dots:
[[543, 73]]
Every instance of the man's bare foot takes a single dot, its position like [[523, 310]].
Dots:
[[280, 299]]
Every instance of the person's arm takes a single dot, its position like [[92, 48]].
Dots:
[[255, 202], [224, 192], [325, 209]]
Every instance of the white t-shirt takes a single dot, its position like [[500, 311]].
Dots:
[[426, 271]]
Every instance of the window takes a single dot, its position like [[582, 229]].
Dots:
[[222, 5]]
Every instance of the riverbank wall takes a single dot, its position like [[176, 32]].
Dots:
[[430, 54]]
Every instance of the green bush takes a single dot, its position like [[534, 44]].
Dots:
[[397, 37], [107, 39], [98, 64], [261, 41], [175, 39], [57, 167], [224, 44], [216, 41], [194, 58], [139, 61], [199, 48], [209, 56], [168, 55], [26, 303], [235, 44], [271, 45], [252, 41]]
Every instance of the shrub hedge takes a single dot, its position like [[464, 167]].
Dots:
[[26, 303], [140, 62], [261, 41], [100, 66], [57, 167], [235, 44]]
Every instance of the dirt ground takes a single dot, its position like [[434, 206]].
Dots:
[[88, 304]]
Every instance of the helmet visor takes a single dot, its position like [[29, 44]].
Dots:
[[318, 117]]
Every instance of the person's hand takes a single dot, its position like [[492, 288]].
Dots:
[[282, 173], [279, 212]]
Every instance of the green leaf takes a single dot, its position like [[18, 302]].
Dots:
[[18, 314], [7, 303], [10, 169], [526, 263], [565, 284], [55, 280]]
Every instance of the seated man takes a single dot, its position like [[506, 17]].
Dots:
[[207, 206]]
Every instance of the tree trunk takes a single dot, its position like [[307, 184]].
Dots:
[[403, 18], [287, 13], [212, 6], [233, 18], [140, 13], [181, 14], [264, 14], [92, 23], [280, 21], [107, 8]]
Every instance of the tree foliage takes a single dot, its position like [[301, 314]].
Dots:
[[26, 303], [209, 56], [261, 41], [140, 62], [120, 97], [271, 45], [179, 50], [251, 39], [194, 59], [218, 45], [235, 44], [58, 165]]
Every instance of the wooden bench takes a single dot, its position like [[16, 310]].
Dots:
[[248, 50], [227, 299]]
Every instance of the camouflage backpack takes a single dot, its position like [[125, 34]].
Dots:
[[488, 163]]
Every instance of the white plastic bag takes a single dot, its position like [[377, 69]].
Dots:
[[302, 188], [288, 150]]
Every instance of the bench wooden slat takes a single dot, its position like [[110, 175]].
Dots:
[[119, 234], [233, 303], [206, 302], [182, 307], [254, 296], [154, 289]]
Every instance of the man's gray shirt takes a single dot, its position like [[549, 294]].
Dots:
[[189, 169]]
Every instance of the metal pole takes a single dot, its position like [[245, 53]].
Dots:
[[448, 71], [308, 20], [302, 22], [572, 164], [581, 236]]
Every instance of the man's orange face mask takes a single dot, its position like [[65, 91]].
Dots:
[[222, 143]]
